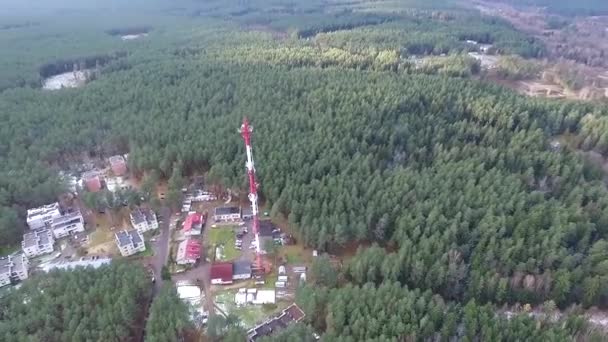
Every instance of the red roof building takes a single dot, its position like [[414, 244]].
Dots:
[[188, 252], [221, 273], [193, 225], [118, 165], [93, 183]]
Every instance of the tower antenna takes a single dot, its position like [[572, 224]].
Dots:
[[246, 131]]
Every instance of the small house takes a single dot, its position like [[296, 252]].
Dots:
[[188, 252], [193, 225]]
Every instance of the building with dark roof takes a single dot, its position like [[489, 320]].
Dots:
[[221, 273], [241, 270], [130, 242], [247, 213], [227, 214], [291, 315], [266, 228]]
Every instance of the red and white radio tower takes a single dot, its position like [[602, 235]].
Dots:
[[253, 189]]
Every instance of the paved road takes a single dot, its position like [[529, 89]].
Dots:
[[161, 247]]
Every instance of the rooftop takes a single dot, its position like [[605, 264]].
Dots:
[[30, 239], [135, 236], [18, 263], [221, 271], [265, 228], [242, 267], [137, 216], [291, 314], [227, 210], [5, 265], [42, 210], [189, 249], [128, 237], [192, 220]]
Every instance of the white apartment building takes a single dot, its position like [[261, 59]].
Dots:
[[130, 242], [37, 242], [143, 219], [51, 217], [41, 217], [13, 268], [67, 224]]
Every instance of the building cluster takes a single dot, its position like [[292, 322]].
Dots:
[[130, 242], [94, 180], [225, 273], [13, 268], [47, 223], [291, 315]]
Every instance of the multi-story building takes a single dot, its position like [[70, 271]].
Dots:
[[143, 219], [68, 223], [227, 214], [37, 242], [61, 223], [130, 242], [13, 268], [41, 217]]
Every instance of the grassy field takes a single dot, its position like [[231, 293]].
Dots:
[[224, 236]]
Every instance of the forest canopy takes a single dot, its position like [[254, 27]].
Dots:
[[454, 183], [106, 304]]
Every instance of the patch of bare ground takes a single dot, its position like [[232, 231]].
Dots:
[[576, 67]]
